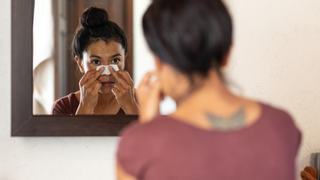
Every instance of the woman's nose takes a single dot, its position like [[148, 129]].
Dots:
[[106, 64]]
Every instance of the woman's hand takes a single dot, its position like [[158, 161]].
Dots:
[[124, 91], [149, 96], [89, 91], [309, 173]]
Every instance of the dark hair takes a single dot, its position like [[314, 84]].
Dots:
[[191, 35], [95, 25]]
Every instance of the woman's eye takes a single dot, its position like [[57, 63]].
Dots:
[[115, 60], [95, 62]]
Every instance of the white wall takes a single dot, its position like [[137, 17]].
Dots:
[[143, 59], [276, 59]]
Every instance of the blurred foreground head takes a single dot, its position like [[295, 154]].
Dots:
[[191, 35], [190, 39]]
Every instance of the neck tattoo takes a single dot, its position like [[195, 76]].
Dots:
[[235, 122]]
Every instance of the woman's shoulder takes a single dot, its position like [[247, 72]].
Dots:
[[276, 113], [271, 117], [142, 128], [282, 125], [137, 137], [65, 105], [279, 120], [158, 127], [268, 113]]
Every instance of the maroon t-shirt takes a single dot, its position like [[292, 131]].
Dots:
[[69, 105], [169, 149]]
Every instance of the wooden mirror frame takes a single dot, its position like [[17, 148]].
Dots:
[[23, 122]]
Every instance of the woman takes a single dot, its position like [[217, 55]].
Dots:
[[213, 134], [97, 42]]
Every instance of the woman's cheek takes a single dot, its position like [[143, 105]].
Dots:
[[121, 65], [90, 67]]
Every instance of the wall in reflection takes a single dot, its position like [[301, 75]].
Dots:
[[43, 57]]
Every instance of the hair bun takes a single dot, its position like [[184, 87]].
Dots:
[[94, 17]]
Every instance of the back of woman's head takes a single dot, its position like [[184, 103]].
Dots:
[[191, 35], [95, 25]]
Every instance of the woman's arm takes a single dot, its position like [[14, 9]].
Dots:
[[122, 175]]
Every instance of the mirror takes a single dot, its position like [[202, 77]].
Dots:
[[23, 121], [55, 72]]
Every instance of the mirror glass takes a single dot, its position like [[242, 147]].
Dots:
[[56, 73]]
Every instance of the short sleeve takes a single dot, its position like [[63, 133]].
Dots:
[[63, 106], [288, 128], [293, 131], [296, 134], [132, 153], [298, 141], [59, 107]]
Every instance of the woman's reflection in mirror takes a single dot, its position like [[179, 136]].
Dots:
[[99, 41], [214, 133]]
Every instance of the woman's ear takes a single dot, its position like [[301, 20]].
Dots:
[[157, 62], [79, 62], [226, 57], [124, 61]]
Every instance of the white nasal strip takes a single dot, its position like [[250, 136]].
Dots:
[[106, 70]]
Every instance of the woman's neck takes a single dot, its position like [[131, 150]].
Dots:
[[105, 100], [107, 104], [212, 93], [214, 98]]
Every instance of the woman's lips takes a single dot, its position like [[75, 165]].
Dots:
[[107, 84]]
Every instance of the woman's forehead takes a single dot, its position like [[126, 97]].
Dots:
[[103, 48]]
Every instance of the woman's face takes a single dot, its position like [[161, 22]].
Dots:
[[173, 83], [100, 53]]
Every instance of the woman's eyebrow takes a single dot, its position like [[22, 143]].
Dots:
[[115, 55], [95, 56]]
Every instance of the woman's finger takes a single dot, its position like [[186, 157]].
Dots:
[[85, 77], [155, 89], [91, 78], [146, 79], [92, 89], [97, 85], [119, 87], [116, 75], [116, 92], [126, 76]]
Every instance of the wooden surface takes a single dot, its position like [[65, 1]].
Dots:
[[23, 123]]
